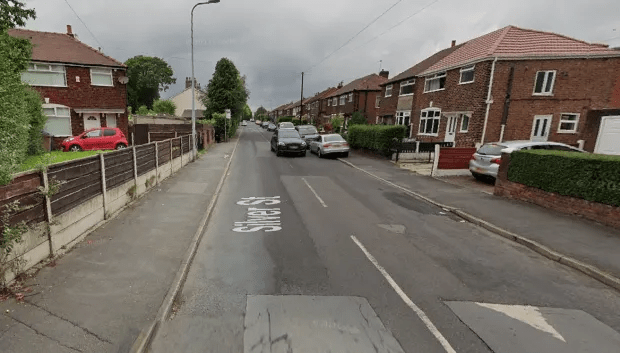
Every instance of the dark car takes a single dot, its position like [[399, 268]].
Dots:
[[272, 127], [308, 133], [105, 138], [288, 141]]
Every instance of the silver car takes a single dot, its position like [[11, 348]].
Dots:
[[329, 144], [484, 164]]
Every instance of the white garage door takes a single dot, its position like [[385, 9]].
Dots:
[[608, 141]]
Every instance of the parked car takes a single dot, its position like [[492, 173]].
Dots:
[[308, 133], [244, 123], [264, 124], [105, 138], [286, 125], [329, 144], [271, 127], [485, 162], [258, 122], [288, 141]]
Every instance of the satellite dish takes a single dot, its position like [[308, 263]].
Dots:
[[123, 79]]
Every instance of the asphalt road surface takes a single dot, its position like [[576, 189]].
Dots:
[[309, 255]]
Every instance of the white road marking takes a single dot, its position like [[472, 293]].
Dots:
[[314, 192], [429, 324], [527, 314]]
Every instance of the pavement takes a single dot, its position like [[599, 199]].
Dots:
[[310, 255], [103, 293], [586, 241]]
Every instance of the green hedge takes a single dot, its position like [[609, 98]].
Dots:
[[285, 119], [591, 177], [375, 137]]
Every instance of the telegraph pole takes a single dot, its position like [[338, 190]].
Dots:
[[301, 111]]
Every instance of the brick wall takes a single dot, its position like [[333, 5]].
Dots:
[[455, 97], [82, 95], [388, 105]]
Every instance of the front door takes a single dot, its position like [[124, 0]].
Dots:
[[91, 121], [451, 128], [608, 141], [540, 128]]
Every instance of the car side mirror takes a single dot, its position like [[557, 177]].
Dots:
[[85, 136]]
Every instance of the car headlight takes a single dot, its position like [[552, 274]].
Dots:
[[281, 144], [303, 143]]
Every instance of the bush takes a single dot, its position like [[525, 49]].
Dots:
[[377, 138], [164, 106], [285, 119], [587, 176], [143, 110], [358, 119]]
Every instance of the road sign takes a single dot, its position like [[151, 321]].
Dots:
[[228, 114]]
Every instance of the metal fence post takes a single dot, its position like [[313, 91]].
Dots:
[[48, 211], [156, 163], [104, 187]]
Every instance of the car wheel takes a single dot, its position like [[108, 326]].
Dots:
[[278, 153], [75, 148], [303, 154], [271, 148], [121, 146], [318, 153]]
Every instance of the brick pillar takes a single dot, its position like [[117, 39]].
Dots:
[[502, 173]]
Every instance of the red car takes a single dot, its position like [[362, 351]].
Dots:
[[104, 138]]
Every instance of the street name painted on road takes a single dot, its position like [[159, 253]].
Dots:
[[267, 219]]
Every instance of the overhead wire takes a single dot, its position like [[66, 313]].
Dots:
[[78, 16]]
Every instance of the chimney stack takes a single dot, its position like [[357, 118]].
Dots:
[[384, 73], [69, 31], [340, 84], [188, 82], [453, 43]]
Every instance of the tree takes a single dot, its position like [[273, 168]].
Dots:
[[143, 110], [358, 119], [13, 14], [226, 90], [147, 77], [260, 111], [164, 106], [247, 112]]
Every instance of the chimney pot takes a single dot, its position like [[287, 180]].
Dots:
[[453, 43]]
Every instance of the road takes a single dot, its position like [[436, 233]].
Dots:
[[348, 264]]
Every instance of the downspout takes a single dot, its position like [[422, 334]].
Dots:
[[489, 102], [507, 103]]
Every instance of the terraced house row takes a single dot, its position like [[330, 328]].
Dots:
[[510, 84]]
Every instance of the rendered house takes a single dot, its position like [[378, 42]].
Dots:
[[183, 101], [81, 87]]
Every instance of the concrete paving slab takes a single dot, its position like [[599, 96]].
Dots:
[[314, 324], [186, 187], [519, 328]]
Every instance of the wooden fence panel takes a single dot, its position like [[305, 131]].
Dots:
[[118, 167], [176, 148], [23, 190], [145, 158], [163, 152], [81, 181]]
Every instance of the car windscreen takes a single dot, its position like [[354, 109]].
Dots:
[[288, 134], [286, 124], [333, 138], [308, 130], [492, 149]]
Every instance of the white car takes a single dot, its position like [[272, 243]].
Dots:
[[244, 123], [329, 144]]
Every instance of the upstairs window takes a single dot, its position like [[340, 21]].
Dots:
[[45, 75], [350, 97], [101, 77], [388, 90], [467, 75], [406, 87], [343, 99], [544, 83], [434, 83], [329, 102], [335, 101], [377, 102]]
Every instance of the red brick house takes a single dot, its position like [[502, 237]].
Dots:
[[81, 87], [396, 101], [316, 106], [358, 95], [521, 84]]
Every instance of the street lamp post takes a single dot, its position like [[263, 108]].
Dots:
[[193, 79]]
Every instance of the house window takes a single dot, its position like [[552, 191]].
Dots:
[[101, 77], [45, 75], [403, 118], [329, 102], [406, 87], [335, 101], [467, 75], [350, 97], [568, 122], [58, 121], [434, 83], [429, 122], [388, 90], [544, 82], [464, 123], [377, 102], [343, 99]]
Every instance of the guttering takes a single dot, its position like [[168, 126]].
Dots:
[[489, 102]]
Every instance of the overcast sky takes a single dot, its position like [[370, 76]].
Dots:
[[273, 41]]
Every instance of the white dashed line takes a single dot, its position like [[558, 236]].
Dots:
[[314, 192], [429, 324]]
